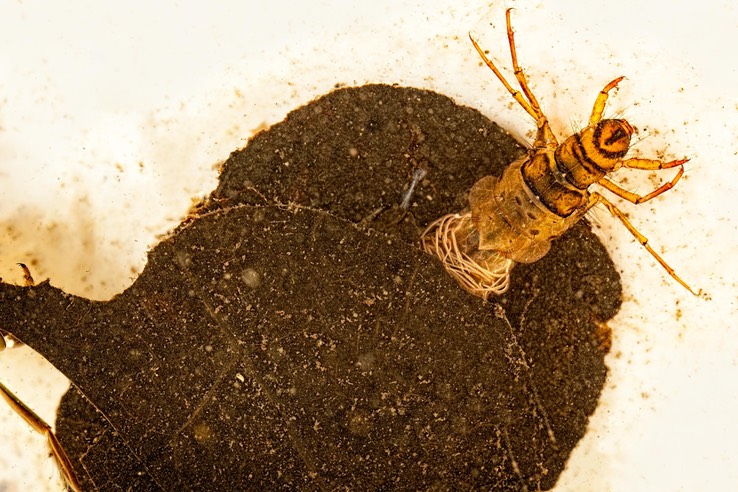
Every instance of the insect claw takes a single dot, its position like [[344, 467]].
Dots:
[[613, 84]]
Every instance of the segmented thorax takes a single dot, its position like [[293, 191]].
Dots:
[[586, 157], [512, 219], [541, 195]]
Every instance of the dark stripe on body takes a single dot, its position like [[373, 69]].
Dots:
[[606, 153]]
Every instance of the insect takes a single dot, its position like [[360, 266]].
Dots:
[[513, 219], [37, 423]]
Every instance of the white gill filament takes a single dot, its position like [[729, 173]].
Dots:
[[488, 274]]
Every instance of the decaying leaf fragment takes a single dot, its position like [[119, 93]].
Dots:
[[267, 345]]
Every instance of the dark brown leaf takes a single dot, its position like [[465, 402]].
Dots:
[[272, 346]]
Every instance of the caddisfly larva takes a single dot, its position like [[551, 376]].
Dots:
[[513, 218]]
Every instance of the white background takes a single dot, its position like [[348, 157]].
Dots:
[[113, 116]]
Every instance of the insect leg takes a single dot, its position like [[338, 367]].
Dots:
[[544, 137], [519, 75], [601, 101], [513, 92], [647, 165], [652, 164], [597, 198], [38, 424], [638, 199]]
